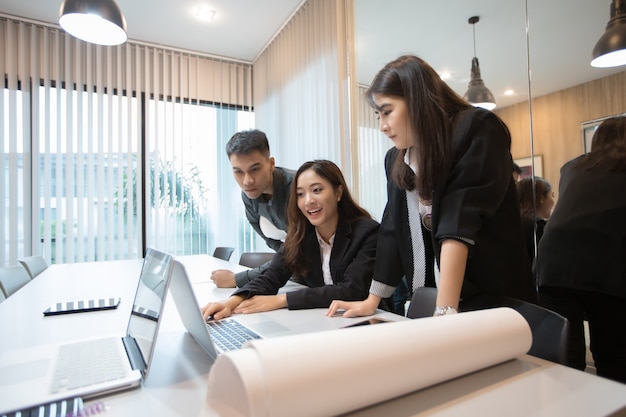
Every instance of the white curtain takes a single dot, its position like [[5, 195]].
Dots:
[[373, 145], [309, 105], [107, 150], [302, 86]]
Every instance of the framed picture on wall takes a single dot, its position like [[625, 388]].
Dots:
[[526, 164], [589, 127]]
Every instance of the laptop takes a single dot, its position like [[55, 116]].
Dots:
[[282, 322], [44, 374], [198, 328]]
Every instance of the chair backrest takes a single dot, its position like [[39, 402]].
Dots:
[[223, 252], [422, 303], [549, 329], [12, 278], [254, 259], [34, 265]]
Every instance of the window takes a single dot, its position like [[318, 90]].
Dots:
[[110, 150]]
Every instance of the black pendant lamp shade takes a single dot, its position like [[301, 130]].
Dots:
[[95, 21], [477, 93], [610, 50]]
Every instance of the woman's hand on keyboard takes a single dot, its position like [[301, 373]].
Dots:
[[220, 310]]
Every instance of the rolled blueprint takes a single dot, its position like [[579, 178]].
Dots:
[[333, 372]]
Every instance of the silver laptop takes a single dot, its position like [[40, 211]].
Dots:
[[218, 336], [48, 373], [282, 322]]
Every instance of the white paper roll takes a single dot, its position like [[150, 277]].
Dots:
[[333, 372]]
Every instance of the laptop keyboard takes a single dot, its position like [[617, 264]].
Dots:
[[87, 363], [230, 334]]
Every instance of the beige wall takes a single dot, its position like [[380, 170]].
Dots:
[[557, 119]]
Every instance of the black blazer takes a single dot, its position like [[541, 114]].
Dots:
[[351, 267], [475, 202], [584, 243]]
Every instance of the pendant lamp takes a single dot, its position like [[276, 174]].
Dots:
[[477, 93], [95, 21], [610, 50]]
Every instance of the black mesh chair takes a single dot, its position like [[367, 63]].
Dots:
[[549, 329], [223, 252], [254, 259], [422, 303]]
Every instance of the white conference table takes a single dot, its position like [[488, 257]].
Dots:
[[177, 383]]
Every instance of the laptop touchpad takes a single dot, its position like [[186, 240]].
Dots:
[[268, 328], [25, 371]]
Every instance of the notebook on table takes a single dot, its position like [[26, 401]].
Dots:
[[49, 373]]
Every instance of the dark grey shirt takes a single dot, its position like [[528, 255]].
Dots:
[[274, 210]]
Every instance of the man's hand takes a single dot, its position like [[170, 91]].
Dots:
[[224, 278]]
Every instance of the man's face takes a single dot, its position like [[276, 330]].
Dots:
[[254, 172]]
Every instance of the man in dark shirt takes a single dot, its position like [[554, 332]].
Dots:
[[265, 194]]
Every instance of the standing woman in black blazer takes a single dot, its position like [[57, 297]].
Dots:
[[581, 261], [330, 245], [450, 193]]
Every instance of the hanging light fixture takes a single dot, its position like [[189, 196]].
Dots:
[[610, 50], [95, 21], [477, 93]]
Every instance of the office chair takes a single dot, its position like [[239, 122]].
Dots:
[[549, 329], [223, 252], [34, 265], [422, 303], [12, 278], [254, 259]]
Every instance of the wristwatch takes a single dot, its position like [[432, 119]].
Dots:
[[444, 311]]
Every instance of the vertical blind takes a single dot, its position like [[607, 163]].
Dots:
[[299, 87], [302, 87], [108, 150], [373, 145]]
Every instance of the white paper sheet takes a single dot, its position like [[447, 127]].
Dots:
[[300, 374]]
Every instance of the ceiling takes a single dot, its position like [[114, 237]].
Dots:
[[561, 35]]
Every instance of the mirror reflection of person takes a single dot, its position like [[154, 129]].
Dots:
[[517, 172], [581, 261], [265, 194], [450, 193], [536, 202], [330, 246]]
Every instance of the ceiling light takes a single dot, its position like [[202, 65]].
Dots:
[[610, 50], [445, 75], [509, 92], [95, 21], [477, 93], [204, 13]]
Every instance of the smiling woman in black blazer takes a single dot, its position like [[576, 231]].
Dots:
[[330, 245]]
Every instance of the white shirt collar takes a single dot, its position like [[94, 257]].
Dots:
[[325, 251], [410, 159]]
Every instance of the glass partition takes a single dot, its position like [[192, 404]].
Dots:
[[526, 48]]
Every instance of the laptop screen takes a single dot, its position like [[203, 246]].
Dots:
[[149, 301]]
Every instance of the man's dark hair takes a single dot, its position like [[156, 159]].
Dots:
[[248, 141], [517, 169]]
